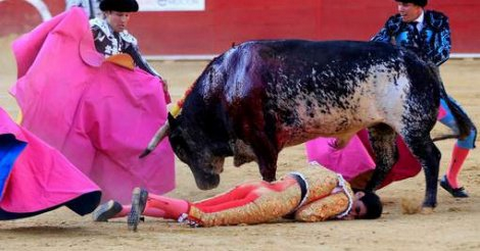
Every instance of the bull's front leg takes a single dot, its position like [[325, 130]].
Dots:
[[258, 132], [267, 163], [267, 156], [268, 169]]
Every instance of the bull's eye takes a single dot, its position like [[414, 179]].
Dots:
[[180, 151]]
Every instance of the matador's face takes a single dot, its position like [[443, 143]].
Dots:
[[118, 20], [409, 11], [359, 209]]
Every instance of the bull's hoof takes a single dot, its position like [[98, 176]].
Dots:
[[427, 210], [268, 176], [428, 206], [269, 179]]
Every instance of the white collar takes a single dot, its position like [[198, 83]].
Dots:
[[103, 25], [419, 21]]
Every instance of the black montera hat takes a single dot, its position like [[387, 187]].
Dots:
[[421, 3], [119, 5]]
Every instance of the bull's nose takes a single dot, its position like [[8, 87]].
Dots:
[[207, 182]]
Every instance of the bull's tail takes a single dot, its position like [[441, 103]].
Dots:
[[445, 136], [464, 123]]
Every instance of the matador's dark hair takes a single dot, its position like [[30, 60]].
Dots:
[[119, 5], [421, 3], [373, 204]]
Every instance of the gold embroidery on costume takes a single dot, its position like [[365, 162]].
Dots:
[[319, 202], [323, 209], [271, 205], [320, 180]]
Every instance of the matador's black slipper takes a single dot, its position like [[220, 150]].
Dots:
[[455, 192]]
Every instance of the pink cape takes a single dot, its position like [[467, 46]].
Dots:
[[357, 158], [35, 178], [101, 116]]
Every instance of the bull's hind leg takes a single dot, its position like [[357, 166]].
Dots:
[[382, 139], [429, 156]]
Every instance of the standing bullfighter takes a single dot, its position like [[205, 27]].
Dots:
[[111, 36], [427, 33]]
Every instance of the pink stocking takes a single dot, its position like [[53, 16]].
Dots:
[[242, 195], [149, 211], [125, 210], [165, 207], [458, 157]]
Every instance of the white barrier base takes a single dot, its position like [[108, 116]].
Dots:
[[465, 55]]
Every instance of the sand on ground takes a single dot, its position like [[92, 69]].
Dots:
[[454, 225]]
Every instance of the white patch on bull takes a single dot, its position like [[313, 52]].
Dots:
[[314, 74], [379, 98]]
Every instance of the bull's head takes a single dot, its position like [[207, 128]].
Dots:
[[202, 152]]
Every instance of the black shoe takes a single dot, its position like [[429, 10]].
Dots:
[[139, 200], [106, 211], [455, 192]]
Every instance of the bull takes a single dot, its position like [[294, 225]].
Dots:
[[262, 96]]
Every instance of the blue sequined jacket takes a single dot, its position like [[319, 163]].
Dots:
[[434, 40]]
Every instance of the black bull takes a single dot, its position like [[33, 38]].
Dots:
[[261, 96]]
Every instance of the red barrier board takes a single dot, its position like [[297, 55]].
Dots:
[[224, 22]]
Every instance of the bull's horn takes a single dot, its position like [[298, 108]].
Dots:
[[162, 132]]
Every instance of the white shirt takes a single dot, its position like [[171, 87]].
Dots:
[[419, 21]]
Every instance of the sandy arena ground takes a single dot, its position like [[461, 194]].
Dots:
[[455, 224]]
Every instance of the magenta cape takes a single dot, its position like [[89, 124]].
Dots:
[[356, 158], [101, 116], [35, 178]]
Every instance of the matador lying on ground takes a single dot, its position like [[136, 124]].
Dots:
[[311, 194]]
